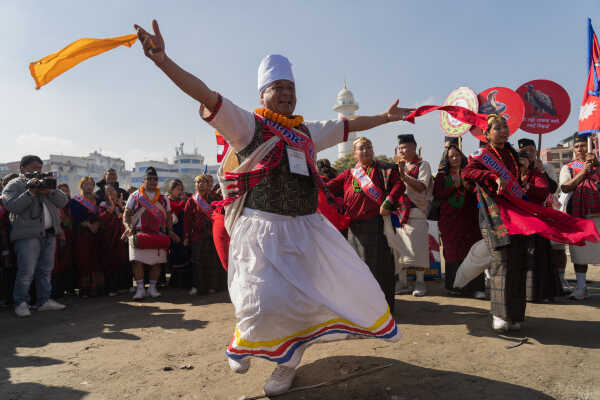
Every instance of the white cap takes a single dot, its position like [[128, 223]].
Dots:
[[272, 68]]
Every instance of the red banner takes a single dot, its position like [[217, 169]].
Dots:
[[547, 106]]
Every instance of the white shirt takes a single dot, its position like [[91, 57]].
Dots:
[[237, 127], [420, 199], [47, 217]]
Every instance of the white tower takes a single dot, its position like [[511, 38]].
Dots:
[[345, 106]]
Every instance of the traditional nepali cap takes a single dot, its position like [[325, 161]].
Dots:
[[273, 67], [406, 139], [451, 139], [28, 159], [150, 171], [525, 142], [577, 138]]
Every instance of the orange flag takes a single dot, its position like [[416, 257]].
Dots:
[[49, 67]]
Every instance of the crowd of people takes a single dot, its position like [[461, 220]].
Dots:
[[311, 254], [57, 243]]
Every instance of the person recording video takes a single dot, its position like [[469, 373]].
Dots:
[[33, 203]]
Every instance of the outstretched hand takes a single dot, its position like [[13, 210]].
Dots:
[[395, 113], [154, 45]]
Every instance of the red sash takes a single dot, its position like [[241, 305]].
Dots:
[[497, 166], [295, 138], [86, 203], [204, 206], [151, 208], [366, 184]]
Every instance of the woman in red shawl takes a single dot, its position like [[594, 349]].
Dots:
[[365, 202], [84, 211], [458, 222], [114, 250], [198, 235]]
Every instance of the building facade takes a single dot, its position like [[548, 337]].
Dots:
[[183, 165], [559, 155]]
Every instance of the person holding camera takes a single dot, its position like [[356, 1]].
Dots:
[[33, 202]]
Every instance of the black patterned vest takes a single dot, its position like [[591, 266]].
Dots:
[[280, 192]]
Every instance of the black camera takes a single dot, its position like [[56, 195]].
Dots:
[[44, 180]]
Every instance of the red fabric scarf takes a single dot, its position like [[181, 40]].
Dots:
[[460, 113], [586, 196], [523, 217]]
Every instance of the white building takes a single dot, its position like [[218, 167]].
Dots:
[[345, 106], [70, 169], [190, 164]]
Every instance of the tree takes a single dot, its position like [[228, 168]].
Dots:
[[348, 161]]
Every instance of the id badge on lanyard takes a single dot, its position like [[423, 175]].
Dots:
[[297, 161]]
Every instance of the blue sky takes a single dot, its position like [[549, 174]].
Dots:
[[415, 51]]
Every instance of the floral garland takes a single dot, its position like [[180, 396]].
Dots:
[[356, 184], [287, 122], [156, 196]]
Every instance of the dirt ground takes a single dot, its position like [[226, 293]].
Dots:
[[173, 348]]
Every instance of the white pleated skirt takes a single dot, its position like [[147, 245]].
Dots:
[[296, 280]]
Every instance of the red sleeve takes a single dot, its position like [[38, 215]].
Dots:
[[103, 216], [188, 218], [476, 172], [396, 185], [336, 185], [440, 191], [539, 187]]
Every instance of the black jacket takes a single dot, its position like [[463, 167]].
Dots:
[[100, 192]]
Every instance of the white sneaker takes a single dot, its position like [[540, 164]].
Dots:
[[112, 294], [498, 324], [240, 366], [22, 310], [420, 289], [479, 295], [193, 291], [578, 293], [140, 293], [280, 380], [153, 292], [51, 305]]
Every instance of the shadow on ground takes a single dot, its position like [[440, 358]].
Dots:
[[102, 317], [548, 331], [400, 381]]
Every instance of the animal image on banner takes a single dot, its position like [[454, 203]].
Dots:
[[547, 106], [503, 101]]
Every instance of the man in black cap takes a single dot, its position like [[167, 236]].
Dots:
[[580, 184], [33, 211], [410, 241]]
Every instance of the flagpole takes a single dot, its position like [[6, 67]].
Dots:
[[539, 147]]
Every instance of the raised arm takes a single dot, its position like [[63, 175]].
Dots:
[[358, 123], [154, 48]]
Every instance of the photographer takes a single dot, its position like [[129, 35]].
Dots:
[[33, 202]]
